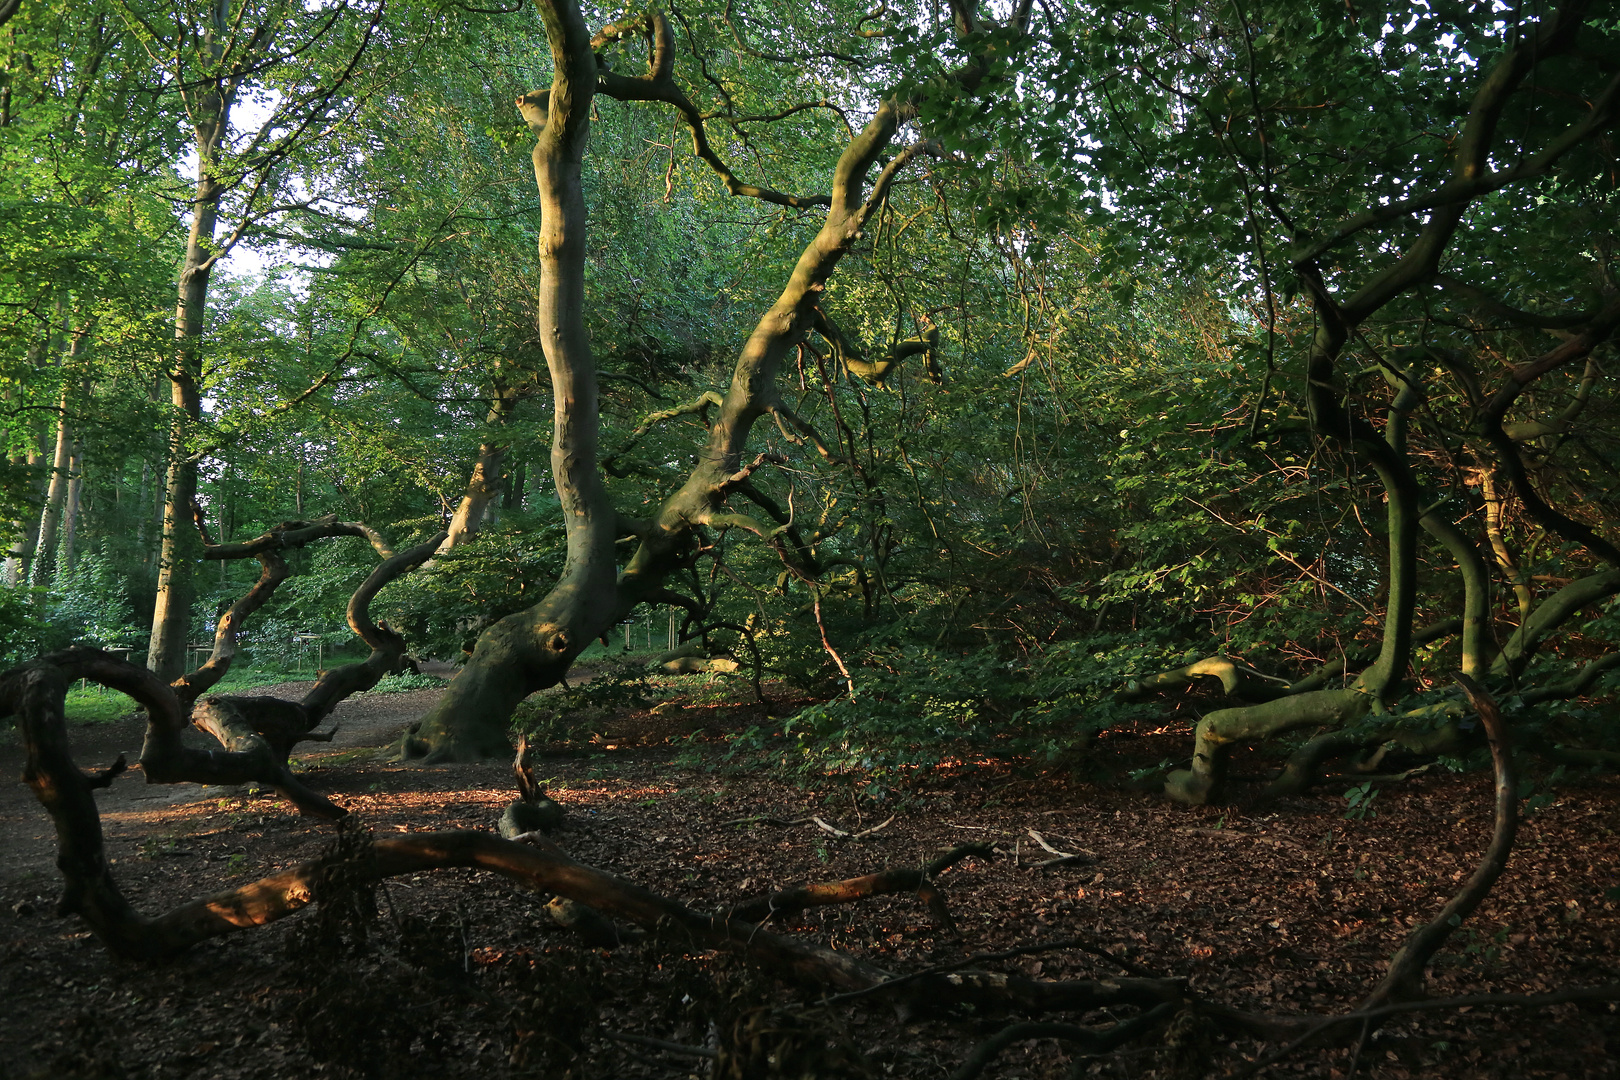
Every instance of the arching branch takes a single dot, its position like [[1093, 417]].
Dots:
[[658, 84]]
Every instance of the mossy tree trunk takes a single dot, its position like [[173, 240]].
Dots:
[[1341, 312]]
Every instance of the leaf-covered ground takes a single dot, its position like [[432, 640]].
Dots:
[[1294, 910]]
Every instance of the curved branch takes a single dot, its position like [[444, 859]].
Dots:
[[1560, 422], [1576, 685], [914, 879], [1469, 182], [1519, 317], [1405, 975], [191, 686], [387, 647], [659, 85], [698, 407], [295, 534], [1551, 614], [164, 757], [1354, 661], [1237, 680]]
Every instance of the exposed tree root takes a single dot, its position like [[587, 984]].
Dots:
[[1405, 976]]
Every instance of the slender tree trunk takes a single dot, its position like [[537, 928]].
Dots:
[[478, 504], [70, 512], [27, 530], [44, 565], [517, 479], [171, 613]]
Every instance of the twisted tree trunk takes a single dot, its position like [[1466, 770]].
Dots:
[[533, 649]]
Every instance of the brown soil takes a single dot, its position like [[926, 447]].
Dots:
[[1291, 911]]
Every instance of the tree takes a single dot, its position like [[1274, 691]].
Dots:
[[533, 649], [209, 57], [1428, 256]]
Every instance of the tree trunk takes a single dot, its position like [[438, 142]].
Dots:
[[517, 479], [27, 530], [44, 565], [70, 512], [533, 649], [484, 487], [171, 614]]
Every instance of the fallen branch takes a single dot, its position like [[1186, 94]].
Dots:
[[842, 835], [1236, 834], [37, 691], [1315, 1029], [1064, 858], [991, 958], [660, 1044], [766, 819], [1095, 1040], [917, 880]]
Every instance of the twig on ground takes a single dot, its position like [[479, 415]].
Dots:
[[1237, 834], [1064, 858], [990, 958], [1606, 992], [661, 1044], [766, 819], [843, 835], [919, 880]]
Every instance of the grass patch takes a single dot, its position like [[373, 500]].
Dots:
[[92, 704], [242, 680], [96, 705]]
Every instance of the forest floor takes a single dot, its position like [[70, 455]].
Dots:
[[1293, 910]]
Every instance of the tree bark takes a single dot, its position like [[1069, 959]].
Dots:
[[21, 552], [43, 567], [70, 512]]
